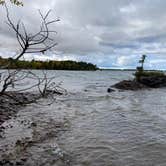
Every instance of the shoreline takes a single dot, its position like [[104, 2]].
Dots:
[[23, 128], [13, 102]]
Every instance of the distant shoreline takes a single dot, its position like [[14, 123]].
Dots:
[[80, 69], [9, 63], [127, 70]]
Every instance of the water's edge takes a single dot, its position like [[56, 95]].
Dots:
[[89, 127]]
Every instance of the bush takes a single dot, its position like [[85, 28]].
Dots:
[[139, 74]]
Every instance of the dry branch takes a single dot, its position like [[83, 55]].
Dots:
[[38, 42]]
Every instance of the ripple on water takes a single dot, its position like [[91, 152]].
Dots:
[[123, 128], [126, 129]]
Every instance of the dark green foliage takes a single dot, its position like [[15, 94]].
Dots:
[[142, 73], [15, 2], [49, 65], [139, 74]]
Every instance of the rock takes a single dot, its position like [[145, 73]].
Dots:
[[54, 92], [33, 124], [12, 102], [153, 81], [142, 83], [109, 90], [129, 85]]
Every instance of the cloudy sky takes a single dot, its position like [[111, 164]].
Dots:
[[109, 33]]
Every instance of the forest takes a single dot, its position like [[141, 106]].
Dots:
[[11, 63]]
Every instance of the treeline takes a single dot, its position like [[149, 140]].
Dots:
[[49, 65]]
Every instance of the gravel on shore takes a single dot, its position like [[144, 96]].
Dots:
[[12, 102]]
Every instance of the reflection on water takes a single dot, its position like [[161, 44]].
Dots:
[[122, 128]]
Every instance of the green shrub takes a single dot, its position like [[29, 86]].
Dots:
[[139, 74]]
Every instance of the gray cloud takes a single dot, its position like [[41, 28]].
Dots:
[[94, 28]]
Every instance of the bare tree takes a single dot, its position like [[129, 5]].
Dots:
[[8, 79], [45, 84], [38, 42]]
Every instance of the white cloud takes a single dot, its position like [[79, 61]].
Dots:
[[124, 61], [100, 29]]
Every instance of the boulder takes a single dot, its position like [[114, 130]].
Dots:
[[142, 83], [109, 90], [153, 81], [129, 85]]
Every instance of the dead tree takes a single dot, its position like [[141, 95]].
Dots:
[[8, 79], [38, 42], [46, 85]]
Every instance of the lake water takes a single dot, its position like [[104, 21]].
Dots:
[[122, 128]]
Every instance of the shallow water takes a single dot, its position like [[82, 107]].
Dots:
[[122, 128]]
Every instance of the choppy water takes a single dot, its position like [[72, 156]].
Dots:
[[122, 128]]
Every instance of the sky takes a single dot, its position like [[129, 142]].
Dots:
[[109, 33]]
